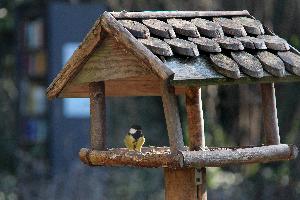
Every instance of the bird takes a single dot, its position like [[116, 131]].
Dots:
[[134, 139]]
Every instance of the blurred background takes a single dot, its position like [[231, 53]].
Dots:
[[40, 139]]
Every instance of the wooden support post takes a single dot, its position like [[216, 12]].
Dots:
[[270, 120], [97, 115], [195, 118], [177, 181], [172, 117], [196, 133], [180, 184]]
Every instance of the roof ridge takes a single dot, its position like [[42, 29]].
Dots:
[[174, 14]]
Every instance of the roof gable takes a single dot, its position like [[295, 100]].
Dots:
[[106, 24], [74, 64], [189, 47], [113, 61]]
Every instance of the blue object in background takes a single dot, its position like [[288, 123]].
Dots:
[[67, 26], [74, 107]]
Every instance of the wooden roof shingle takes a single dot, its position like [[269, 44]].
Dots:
[[192, 47]]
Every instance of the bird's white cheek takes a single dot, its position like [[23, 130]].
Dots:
[[132, 131]]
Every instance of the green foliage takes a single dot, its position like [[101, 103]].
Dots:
[[295, 40]]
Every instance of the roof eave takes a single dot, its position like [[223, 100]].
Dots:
[[112, 26], [79, 57]]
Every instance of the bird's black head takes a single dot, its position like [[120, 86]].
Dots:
[[136, 127]]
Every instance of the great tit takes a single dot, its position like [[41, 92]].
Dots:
[[134, 139]]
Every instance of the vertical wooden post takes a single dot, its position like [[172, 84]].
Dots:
[[97, 115], [270, 120], [196, 132], [195, 118], [179, 183], [172, 117]]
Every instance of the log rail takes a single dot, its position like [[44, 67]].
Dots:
[[154, 157]]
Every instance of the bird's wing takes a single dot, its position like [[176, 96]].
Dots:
[[129, 142], [140, 143]]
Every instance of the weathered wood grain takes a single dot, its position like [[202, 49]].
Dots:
[[275, 43], [212, 157], [104, 64], [172, 117], [177, 14], [248, 63], [157, 46], [229, 43], [152, 62], [269, 111], [252, 42], [200, 71], [206, 44], [180, 184], [151, 157], [135, 28], [252, 26], [231, 156], [267, 78], [193, 103], [183, 47], [225, 65], [230, 27], [160, 28], [98, 115], [202, 191], [79, 57], [291, 61], [271, 63], [135, 86], [183, 27], [208, 28]]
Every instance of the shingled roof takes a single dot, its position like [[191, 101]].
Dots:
[[215, 46], [197, 47]]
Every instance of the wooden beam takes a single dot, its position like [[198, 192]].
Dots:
[[212, 157], [151, 157], [97, 114], [180, 184], [117, 88], [270, 120], [230, 156], [196, 133], [172, 117], [195, 118], [177, 14]]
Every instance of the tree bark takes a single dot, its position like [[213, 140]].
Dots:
[[172, 117], [97, 114], [212, 157], [196, 133], [180, 184], [270, 120]]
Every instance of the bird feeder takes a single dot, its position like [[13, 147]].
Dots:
[[171, 53]]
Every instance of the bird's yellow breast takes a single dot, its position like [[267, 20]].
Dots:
[[129, 142], [133, 144]]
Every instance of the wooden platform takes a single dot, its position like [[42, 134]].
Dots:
[[153, 157]]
